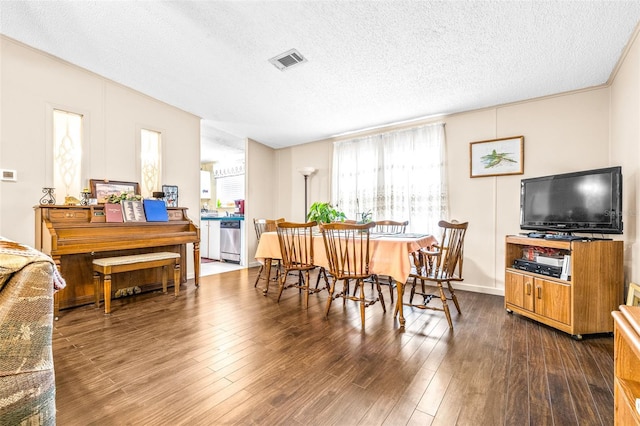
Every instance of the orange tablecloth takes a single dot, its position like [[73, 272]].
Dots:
[[389, 253], [389, 256]]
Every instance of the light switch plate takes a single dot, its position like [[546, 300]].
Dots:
[[8, 175]]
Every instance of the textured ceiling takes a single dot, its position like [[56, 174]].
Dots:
[[370, 63]]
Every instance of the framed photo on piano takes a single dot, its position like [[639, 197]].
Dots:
[[170, 195], [102, 188]]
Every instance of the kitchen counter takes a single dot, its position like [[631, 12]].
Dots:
[[222, 238]]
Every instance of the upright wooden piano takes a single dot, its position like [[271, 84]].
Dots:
[[75, 235]]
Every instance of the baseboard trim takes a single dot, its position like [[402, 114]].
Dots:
[[474, 288], [458, 286], [479, 289]]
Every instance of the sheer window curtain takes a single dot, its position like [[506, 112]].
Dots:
[[397, 175]]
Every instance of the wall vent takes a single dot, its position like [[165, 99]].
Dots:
[[287, 59]]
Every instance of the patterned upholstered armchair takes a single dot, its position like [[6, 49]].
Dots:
[[28, 279]]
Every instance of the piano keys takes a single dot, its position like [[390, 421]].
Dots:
[[75, 235]]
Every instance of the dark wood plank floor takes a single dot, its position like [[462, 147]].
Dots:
[[225, 354]]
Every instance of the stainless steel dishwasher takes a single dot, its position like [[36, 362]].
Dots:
[[230, 240]]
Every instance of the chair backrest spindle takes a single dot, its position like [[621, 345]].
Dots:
[[296, 244], [266, 225], [347, 249], [391, 226], [449, 264]]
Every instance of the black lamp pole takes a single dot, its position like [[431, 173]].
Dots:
[[305, 197], [306, 172]]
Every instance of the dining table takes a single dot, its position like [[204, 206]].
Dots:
[[389, 256]]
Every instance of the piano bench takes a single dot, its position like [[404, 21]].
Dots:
[[105, 267]]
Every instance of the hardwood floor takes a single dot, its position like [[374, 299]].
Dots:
[[225, 354]]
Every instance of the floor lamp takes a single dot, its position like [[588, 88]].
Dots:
[[306, 172]]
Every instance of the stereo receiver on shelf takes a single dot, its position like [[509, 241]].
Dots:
[[537, 268]]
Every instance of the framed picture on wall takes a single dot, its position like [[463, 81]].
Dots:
[[497, 157], [170, 195]]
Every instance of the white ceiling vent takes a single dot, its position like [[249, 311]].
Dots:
[[288, 59]]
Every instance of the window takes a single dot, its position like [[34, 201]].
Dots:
[[229, 178], [67, 153], [229, 189], [149, 162], [397, 176]]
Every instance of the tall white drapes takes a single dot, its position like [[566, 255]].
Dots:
[[397, 176]]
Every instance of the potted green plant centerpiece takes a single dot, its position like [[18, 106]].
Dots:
[[323, 212], [366, 217]]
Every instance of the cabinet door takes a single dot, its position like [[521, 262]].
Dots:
[[514, 289], [204, 238], [553, 300], [519, 290], [214, 240]]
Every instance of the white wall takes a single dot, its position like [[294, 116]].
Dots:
[[32, 83]]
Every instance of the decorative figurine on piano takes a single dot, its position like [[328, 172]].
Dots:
[[70, 200], [85, 194], [48, 197]]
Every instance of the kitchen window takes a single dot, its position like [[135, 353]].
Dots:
[[229, 189]]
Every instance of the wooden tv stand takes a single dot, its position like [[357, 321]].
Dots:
[[580, 305]]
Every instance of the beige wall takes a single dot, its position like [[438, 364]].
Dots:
[[625, 138], [291, 181], [32, 83], [562, 133], [582, 130], [567, 132], [261, 192]]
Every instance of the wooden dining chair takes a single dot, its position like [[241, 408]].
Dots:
[[323, 272], [348, 254], [438, 265], [267, 225], [389, 227], [296, 247]]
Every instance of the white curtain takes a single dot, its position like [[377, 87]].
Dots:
[[397, 176]]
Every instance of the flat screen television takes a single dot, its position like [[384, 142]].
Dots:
[[588, 201]]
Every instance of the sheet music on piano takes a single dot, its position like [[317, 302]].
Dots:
[[133, 211]]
